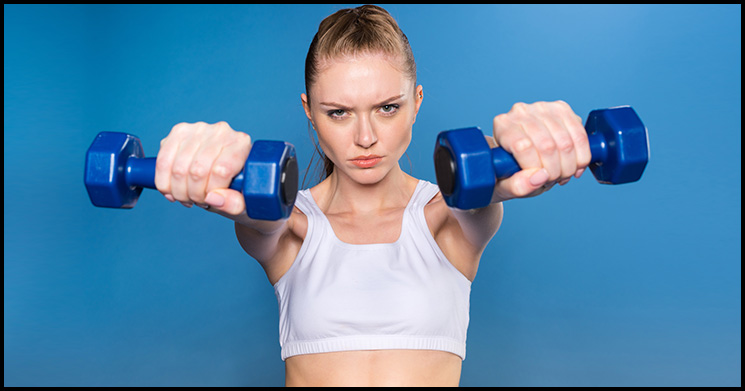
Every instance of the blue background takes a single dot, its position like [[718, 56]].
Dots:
[[587, 285]]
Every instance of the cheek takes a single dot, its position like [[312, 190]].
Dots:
[[405, 141], [403, 130], [331, 143]]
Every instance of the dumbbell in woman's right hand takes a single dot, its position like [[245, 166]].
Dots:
[[194, 160]]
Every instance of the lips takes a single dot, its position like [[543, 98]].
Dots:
[[367, 161]]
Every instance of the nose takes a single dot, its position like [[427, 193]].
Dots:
[[365, 135]]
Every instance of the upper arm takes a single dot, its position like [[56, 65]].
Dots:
[[259, 245], [479, 226], [462, 235], [275, 249]]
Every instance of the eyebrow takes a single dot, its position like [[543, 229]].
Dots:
[[348, 108]]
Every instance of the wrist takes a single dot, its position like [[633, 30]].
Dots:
[[497, 197]]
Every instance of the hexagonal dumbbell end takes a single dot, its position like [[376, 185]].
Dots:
[[116, 171], [463, 165], [105, 170], [619, 144], [467, 169], [269, 180]]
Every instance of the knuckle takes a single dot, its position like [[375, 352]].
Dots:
[[218, 128], [198, 170], [520, 107], [500, 121], [564, 143], [161, 164], [562, 105], [522, 145], [244, 138], [201, 127], [546, 146], [180, 127], [580, 140], [222, 125], [179, 170], [222, 170]]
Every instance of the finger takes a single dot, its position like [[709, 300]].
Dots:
[[524, 183], [579, 173], [229, 162], [545, 145], [180, 169], [200, 170], [578, 134], [510, 136], [164, 161], [564, 146], [227, 202]]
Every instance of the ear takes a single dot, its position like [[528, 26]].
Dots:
[[418, 98], [306, 107]]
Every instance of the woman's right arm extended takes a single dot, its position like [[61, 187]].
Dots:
[[195, 165]]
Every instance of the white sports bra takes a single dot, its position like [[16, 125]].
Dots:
[[338, 296]]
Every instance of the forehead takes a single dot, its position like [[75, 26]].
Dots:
[[358, 79]]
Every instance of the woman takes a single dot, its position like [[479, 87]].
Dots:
[[372, 269]]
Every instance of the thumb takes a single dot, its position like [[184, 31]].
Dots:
[[524, 183], [228, 201]]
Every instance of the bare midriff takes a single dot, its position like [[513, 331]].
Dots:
[[374, 368]]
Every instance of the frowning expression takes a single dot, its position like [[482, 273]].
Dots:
[[363, 108]]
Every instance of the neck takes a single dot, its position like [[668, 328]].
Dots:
[[342, 195]]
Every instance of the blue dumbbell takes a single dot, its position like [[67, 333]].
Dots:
[[116, 171], [467, 169]]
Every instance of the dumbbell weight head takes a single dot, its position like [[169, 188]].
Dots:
[[626, 151], [463, 166], [105, 165], [270, 179]]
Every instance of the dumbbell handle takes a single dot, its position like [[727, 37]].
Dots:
[[141, 172], [505, 164]]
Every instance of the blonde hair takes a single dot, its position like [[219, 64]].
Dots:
[[352, 31]]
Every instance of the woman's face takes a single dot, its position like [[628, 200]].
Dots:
[[363, 109]]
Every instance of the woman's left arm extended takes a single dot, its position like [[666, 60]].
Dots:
[[549, 143]]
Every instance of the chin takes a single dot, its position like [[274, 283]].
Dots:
[[368, 176]]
